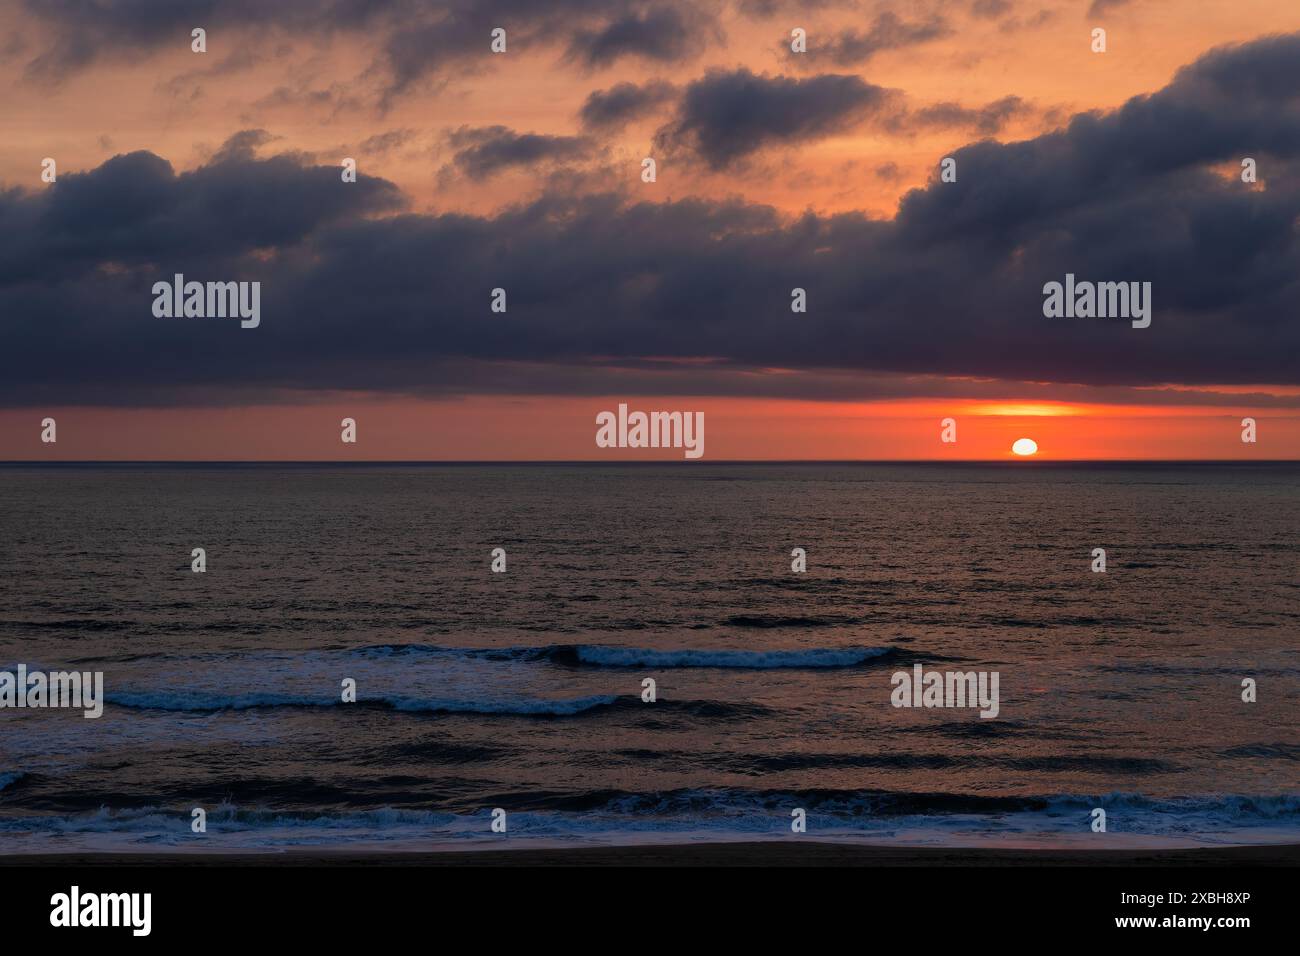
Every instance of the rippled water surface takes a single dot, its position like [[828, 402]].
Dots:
[[523, 690]]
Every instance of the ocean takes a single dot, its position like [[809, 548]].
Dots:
[[523, 691]]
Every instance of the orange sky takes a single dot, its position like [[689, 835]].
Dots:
[[182, 107], [494, 428], [167, 106]]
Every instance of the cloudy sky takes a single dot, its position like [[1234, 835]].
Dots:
[[523, 170]]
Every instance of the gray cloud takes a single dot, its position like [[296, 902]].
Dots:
[[387, 141], [770, 8], [854, 47], [727, 116], [483, 152], [1101, 7], [417, 39], [662, 33], [987, 119], [615, 107], [82, 31], [991, 9]]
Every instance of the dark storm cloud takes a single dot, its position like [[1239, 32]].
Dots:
[[726, 116], [622, 103], [952, 286], [134, 211], [854, 47], [483, 152], [1235, 102]]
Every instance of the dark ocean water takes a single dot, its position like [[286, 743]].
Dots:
[[522, 690]]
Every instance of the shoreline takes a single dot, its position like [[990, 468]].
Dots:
[[770, 853]]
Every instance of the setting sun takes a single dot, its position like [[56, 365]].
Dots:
[[1025, 446]]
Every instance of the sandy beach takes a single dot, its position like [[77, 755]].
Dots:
[[713, 854]]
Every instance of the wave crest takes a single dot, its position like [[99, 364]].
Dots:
[[207, 703], [613, 655]]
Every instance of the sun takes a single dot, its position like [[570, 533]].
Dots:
[[1025, 447]]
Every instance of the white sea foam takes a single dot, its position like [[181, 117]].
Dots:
[[612, 656], [682, 816], [199, 702]]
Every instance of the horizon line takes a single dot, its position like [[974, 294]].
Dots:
[[656, 461]]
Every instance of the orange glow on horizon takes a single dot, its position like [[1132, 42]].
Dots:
[[563, 428]]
